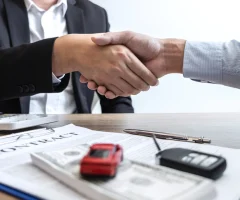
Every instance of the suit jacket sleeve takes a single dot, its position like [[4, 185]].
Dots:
[[26, 70], [213, 62], [120, 104]]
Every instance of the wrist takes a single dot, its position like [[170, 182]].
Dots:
[[62, 61], [173, 55], [77, 53]]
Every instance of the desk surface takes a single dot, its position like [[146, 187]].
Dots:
[[222, 128]]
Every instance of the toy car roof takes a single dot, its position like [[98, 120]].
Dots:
[[103, 146]]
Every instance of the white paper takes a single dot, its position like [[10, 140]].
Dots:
[[131, 178], [15, 159]]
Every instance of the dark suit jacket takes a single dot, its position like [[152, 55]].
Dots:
[[82, 17]]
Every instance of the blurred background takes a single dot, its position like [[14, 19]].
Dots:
[[205, 20]]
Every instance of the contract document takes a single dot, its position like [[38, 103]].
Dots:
[[17, 168]]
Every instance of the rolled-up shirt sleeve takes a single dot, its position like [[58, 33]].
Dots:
[[213, 62]]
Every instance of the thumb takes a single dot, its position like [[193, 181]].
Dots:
[[112, 38], [101, 40]]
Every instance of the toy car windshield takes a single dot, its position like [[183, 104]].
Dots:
[[99, 153]]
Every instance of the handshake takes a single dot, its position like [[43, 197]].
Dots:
[[120, 63]]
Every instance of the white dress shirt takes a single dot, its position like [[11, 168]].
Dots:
[[213, 62], [47, 24]]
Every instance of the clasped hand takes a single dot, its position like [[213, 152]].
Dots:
[[136, 68], [159, 56], [113, 67], [118, 64]]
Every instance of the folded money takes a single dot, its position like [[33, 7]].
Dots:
[[134, 180]]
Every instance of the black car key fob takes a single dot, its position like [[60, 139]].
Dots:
[[195, 162]]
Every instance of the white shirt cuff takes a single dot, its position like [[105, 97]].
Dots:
[[56, 80], [203, 62]]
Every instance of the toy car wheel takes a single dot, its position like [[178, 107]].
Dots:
[[115, 173], [122, 158]]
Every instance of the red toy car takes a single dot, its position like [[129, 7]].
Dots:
[[102, 160]]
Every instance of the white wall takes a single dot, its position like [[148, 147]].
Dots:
[[207, 20]]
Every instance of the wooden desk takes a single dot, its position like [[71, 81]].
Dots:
[[222, 128]]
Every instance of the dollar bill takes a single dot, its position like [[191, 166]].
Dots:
[[134, 180]]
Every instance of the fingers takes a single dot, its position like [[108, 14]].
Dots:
[[83, 79], [136, 66], [112, 38], [128, 83], [127, 88], [114, 90], [123, 75], [102, 90], [135, 81], [110, 95], [92, 85]]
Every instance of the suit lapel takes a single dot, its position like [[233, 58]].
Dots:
[[75, 18], [19, 33], [17, 22], [75, 24]]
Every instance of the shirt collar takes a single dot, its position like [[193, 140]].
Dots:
[[30, 3]]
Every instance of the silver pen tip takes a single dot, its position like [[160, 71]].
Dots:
[[206, 140], [202, 140]]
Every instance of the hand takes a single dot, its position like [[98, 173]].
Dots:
[[115, 67], [160, 56], [144, 47]]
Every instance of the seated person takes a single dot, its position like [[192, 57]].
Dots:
[[37, 20]]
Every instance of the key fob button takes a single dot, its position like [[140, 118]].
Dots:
[[186, 159], [209, 161], [193, 155], [198, 159]]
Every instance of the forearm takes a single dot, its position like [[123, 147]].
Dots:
[[213, 62], [26, 69]]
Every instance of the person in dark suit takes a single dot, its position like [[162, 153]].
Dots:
[[20, 26], [26, 68]]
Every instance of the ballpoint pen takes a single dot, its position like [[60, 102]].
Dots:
[[168, 136]]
